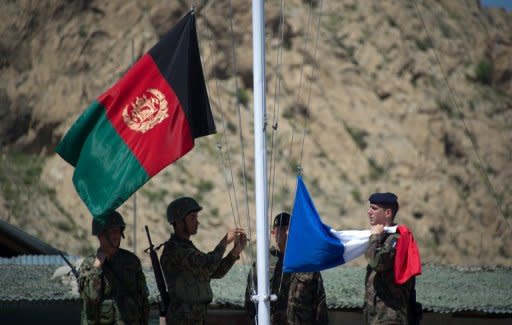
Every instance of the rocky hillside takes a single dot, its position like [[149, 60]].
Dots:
[[413, 97]]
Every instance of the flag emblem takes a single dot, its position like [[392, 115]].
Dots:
[[146, 111]]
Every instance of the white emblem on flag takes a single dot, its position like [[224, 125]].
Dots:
[[146, 111]]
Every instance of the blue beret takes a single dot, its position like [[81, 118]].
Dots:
[[383, 198]]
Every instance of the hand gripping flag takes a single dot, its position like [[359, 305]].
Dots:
[[144, 122], [313, 246]]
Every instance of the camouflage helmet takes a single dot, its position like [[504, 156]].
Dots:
[[114, 219], [181, 207]]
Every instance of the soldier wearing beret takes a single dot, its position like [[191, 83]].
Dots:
[[111, 282], [187, 270], [300, 296], [386, 302]]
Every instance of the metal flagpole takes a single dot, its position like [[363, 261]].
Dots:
[[262, 240], [134, 194]]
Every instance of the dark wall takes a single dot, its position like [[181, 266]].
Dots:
[[51, 312]]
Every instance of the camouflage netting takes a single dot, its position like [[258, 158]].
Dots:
[[443, 289]]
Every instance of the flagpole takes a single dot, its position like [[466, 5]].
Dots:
[[262, 240], [134, 194]]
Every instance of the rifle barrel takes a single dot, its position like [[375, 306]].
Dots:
[[159, 278], [75, 272]]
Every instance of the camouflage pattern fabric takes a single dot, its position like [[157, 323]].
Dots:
[[385, 301], [188, 272], [116, 292], [300, 296], [306, 301], [279, 285]]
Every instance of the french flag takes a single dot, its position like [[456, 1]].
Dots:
[[313, 246]]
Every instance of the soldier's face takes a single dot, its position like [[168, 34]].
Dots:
[[192, 223], [280, 237], [111, 238], [378, 215]]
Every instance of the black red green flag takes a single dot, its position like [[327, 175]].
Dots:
[[144, 122]]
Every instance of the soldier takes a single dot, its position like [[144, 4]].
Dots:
[[386, 302], [111, 282], [300, 296], [187, 270]]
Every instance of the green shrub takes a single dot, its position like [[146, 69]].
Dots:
[[376, 170], [445, 107], [484, 71], [424, 44], [357, 195], [204, 186], [359, 136], [392, 22], [242, 96]]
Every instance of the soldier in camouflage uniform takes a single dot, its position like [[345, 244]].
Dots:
[[300, 296], [111, 282], [187, 270], [385, 301]]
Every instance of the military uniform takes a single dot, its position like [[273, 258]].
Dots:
[[385, 301], [114, 293], [300, 296], [306, 300], [188, 272]]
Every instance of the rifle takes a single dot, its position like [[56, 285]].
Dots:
[[75, 272], [159, 277]]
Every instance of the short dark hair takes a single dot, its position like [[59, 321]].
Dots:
[[386, 200], [393, 206]]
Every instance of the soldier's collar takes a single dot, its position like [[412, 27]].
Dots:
[[176, 238], [275, 252]]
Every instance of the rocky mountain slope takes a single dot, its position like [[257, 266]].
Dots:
[[413, 97]]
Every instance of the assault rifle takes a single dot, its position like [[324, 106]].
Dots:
[[159, 277]]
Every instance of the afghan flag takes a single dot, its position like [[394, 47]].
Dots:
[[144, 122]]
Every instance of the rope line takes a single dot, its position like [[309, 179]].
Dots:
[[242, 146], [222, 139], [276, 110], [225, 161], [315, 48], [455, 101], [306, 117]]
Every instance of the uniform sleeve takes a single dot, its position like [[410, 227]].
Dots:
[[89, 282], [165, 262], [306, 303], [225, 265], [190, 257], [321, 303], [381, 251], [143, 294]]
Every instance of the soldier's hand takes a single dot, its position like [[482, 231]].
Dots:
[[241, 240], [240, 243], [377, 229], [233, 233]]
